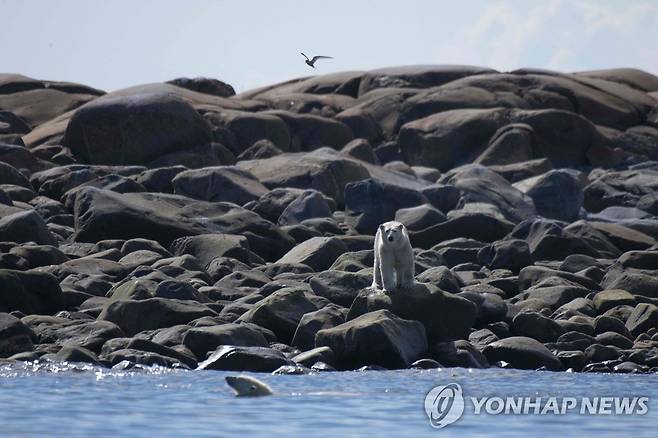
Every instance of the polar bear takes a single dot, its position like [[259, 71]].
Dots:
[[394, 258]]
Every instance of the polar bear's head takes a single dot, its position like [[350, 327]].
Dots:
[[392, 232]]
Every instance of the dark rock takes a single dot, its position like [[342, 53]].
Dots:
[[478, 226], [25, 226], [339, 287], [204, 339], [146, 345], [204, 85], [261, 149], [605, 323], [479, 184], [219, 184], [458, 353], [643, 318], [72, 353], [599, 353], [208, 247], [557, 194], [522, 352], [135, 316], [329, 316], [150, 126], [378, 337], [607, 299], [318, 252], [15, 337], [614, 339], [512, 254], [234, 358], [445, 316], [360, 149], [30, 292], [444, 197], [536, 326], [159, 179], [79, 332], [309, 204], [575, 360], [369, 203], [314, 355], [165, 218], [442, 278], [282, 311], [420, 217]]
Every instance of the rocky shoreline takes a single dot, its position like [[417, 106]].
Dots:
[[181, 225]]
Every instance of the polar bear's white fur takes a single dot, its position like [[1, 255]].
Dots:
[[394, 258]]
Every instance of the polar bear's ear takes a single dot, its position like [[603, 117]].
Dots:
[[381, 227], [400, 227]]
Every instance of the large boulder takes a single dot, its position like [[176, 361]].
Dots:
[[522, 352], [375, 338], [25, 226], [643, 318], [324, 170], [201, 340], [79, 332], [445, 316], [205, 85], [237, 358], [479, 184], [30, 292], [36, 101], [329, 316], [369, 203], [219, 184], [207, 247], [417, 76], [450, 138], [480, 226], [339, 287], [318, 252], [15, 337], [557, 194], [282, 311], [134, 129], [101, 214], [134, 316]]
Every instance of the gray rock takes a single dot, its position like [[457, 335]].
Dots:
[[235, 358], [643, 318], [445, 316], [557, 194], [134, 316], [318, 252], [378, 338], [204, 339], [329, 316], [219, 184], [522, 352], [15, 337], [282, 311]]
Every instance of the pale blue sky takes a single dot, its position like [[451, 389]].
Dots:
[[248, 43]]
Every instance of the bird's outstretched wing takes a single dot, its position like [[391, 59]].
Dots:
[[315, 58], [305, 56]]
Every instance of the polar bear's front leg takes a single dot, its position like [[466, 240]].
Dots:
[[376, 273], [387, 264], [405, 271]]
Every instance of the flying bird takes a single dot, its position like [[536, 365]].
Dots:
[[310, 62]]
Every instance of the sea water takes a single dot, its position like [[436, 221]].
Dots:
[[81, 401]]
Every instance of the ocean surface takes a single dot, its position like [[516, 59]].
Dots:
[[81, 401]]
